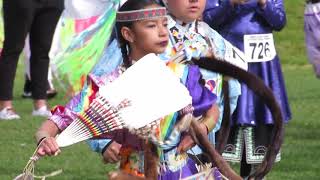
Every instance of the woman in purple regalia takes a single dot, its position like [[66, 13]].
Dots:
[[248, 25], [312, 33]]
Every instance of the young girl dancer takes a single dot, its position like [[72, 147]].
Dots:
[[190, 37], [142, 29], [196, 39]]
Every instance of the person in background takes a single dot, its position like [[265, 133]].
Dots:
[[248, 24], [37, 18], [312, 33], [27, 88]]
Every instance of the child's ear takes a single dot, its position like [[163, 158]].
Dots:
[[127, 34]]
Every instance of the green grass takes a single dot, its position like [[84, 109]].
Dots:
[[300, 150], [290, 41]]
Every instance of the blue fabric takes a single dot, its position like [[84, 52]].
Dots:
[[97, 145], [105, 66], [233, 23], [110, 60]]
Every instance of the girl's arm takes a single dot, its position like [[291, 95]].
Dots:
[[273, 12], [108, 148], [206, 125], [211, 117], [111, 152], [46, 137], [61, 118]]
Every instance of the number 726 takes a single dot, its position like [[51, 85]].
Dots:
[[260, 50]]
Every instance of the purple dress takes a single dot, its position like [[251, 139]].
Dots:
[[252, 119], [235, 22], [312, 34]]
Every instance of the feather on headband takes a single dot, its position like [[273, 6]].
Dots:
[[135, 15]]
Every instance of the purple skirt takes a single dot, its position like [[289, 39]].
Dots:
[[251, 109], [188, 170]]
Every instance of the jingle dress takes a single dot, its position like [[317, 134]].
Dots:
[[234, 23]]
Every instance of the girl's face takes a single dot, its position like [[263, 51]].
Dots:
[[151, 36], [186, 10], [148, 36]]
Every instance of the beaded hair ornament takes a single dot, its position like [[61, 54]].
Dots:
[[141, 14]]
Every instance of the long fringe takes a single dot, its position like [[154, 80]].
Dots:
[[151, 158], [215, 157], [264, 92], [223, 133]]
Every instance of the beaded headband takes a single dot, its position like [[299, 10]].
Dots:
[[135, 15]]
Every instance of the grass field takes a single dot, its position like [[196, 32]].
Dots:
[[300, 152]]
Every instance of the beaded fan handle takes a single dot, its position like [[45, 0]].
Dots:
[[101, 117]]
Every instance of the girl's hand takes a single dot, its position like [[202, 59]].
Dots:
[[262, 3], [187, 141], [185, 144], [111, 155], [48, 146], [236, 2]]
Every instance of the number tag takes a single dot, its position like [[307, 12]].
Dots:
[[259, 47]]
